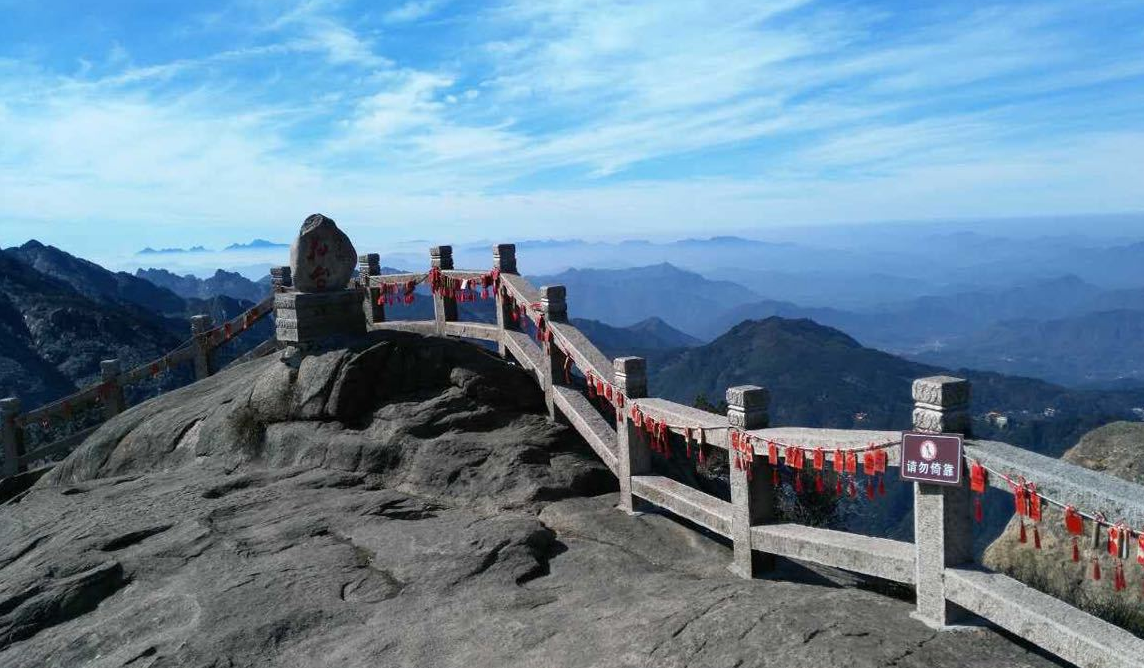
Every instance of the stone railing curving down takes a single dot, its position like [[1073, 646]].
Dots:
[[199, 349], [532, 330]]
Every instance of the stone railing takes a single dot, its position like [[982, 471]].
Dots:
[[938, 564], [200, 350]]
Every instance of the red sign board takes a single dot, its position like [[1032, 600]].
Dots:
[[934, 458]]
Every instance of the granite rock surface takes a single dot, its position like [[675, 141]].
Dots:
[[402, 502]]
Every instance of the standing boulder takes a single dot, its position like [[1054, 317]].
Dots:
[[322, 258]]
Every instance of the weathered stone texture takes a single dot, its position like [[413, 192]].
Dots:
[[322, 258]]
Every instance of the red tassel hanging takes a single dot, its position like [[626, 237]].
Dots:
[[687, 440], [702, 447], [837, 485], [869, 489], [797, 483], [978, 515], [853, 489], [1036, 537], [819, 485], [1023, 538], [1140, 549], [665, 441], [852, 463], [882, 485], [1095, 569], [154, 369], [750, 473], [1076, 550], [1119, 582], [775, 480]]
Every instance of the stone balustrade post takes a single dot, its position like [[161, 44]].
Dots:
[[504, 261], [370, 265], [204, 351], [752, 496], [11, 436], [633, 456], [444, 308], [281, 277], [943, 528], [554, 306], [113, 400]]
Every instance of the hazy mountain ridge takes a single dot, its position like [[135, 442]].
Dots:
[[62, 315], [221, 283], [820, 376], [622, 297]]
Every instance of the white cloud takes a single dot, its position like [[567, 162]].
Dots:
[[829, 115], [413, 11]]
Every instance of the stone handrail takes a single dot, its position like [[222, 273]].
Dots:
[[938, 564], [200, 348]]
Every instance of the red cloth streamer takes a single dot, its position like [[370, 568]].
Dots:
[[687, 440], [882, 485], [838, 485], [1022, 537], [870, 489], [1076, 550], [1074, 523], [1095, 569], [1034, 503], [797, 482], [819, 485], [977, 477], [1021, 499], [978, 513], [1036, 537]]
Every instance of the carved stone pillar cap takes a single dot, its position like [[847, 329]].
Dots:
[[631, 367], [748, 397], [109, 369], [941, 392], [200, 323]]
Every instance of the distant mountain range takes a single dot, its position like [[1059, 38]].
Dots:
[[819, 376], [60, 315], [225, 283], [621, 297], [1063, 329], [256, 244]]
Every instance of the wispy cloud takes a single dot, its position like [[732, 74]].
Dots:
[[618, 114]]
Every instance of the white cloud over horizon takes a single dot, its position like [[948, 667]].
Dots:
[[548, 119]]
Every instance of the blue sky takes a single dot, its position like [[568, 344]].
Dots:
[[125, 124]]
